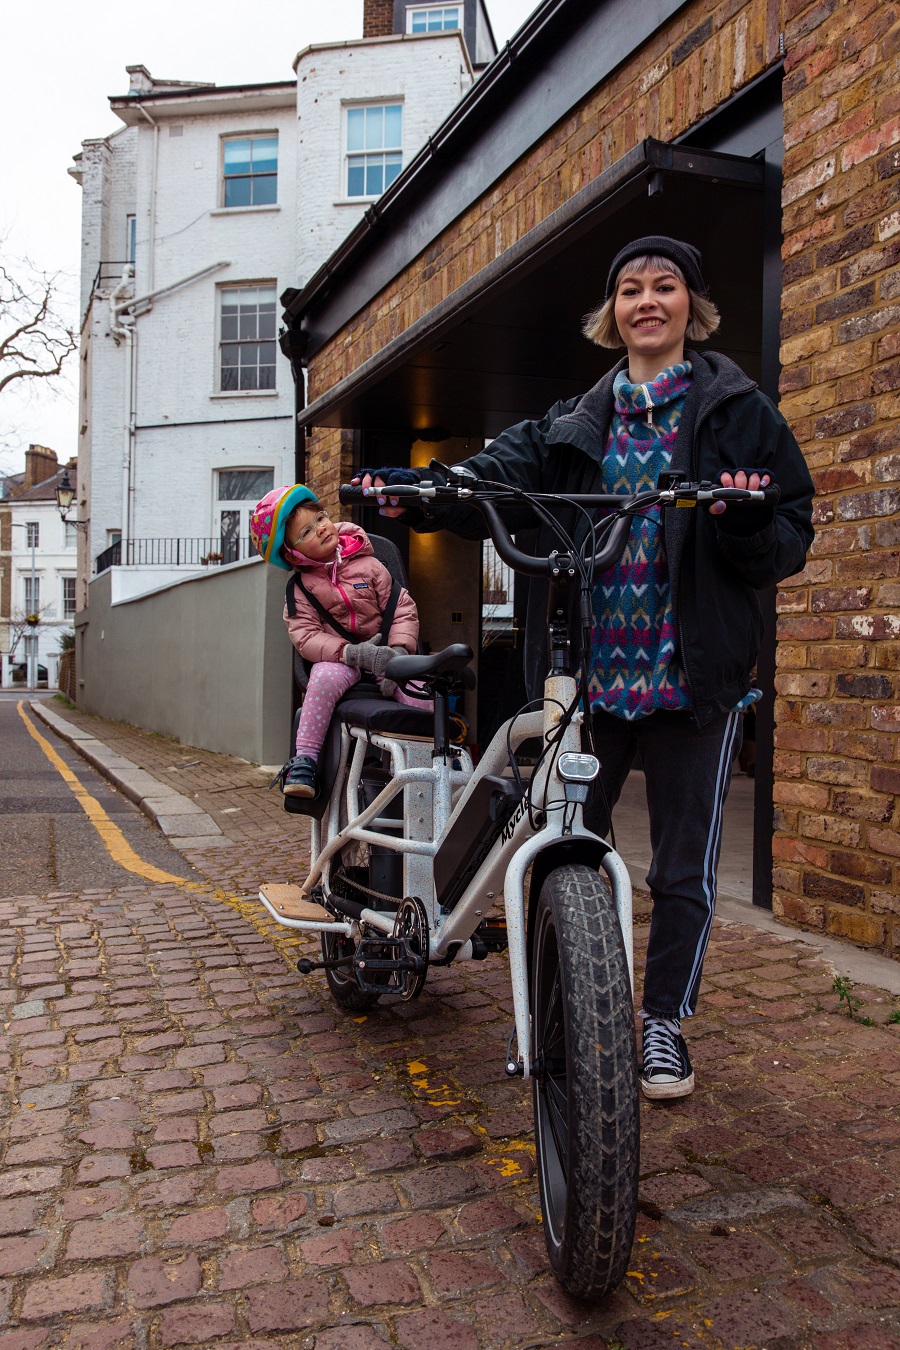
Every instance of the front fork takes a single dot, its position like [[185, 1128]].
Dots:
[[547, 794]]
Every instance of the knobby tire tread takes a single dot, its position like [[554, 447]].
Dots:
[[604, 1120]]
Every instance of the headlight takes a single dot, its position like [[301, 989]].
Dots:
[[573, 768]]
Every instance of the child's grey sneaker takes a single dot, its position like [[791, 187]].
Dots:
[[666, 1070], [299, 778]]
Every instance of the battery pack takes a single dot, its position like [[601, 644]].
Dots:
[[478, 827]]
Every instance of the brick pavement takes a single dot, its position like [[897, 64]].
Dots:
[[200, 1149]]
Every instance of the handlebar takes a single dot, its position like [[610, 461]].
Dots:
[[613, 533]]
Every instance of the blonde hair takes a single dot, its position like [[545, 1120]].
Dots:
[[600, 325]]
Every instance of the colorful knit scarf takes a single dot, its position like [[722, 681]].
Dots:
[[634, 670]]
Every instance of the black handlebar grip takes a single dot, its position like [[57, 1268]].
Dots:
[[349, 493], [772, 494]]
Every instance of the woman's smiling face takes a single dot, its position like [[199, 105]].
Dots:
[[652, 312]]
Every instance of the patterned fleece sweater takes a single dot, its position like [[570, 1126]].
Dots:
[[634, 667]]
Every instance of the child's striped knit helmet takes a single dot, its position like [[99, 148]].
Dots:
[[270, 517]]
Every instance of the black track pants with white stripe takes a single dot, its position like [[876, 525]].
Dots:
[[688, 773]]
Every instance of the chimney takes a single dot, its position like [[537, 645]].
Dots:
[[40, 464], [378, 18]]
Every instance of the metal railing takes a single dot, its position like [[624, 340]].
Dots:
[[209, 552], [108, 274]]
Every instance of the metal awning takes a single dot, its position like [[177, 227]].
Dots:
[[507, 343]]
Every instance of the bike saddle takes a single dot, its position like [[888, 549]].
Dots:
[[453, 660]]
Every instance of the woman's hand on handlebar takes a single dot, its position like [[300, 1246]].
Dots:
[[754, 479], [375, 485]]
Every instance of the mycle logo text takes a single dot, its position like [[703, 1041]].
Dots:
[[509, 828]]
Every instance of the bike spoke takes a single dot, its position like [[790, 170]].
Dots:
[[557, 1116]]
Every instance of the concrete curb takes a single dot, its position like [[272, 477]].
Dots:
[[185, 824]]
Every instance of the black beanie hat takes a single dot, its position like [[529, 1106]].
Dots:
[[688, 258]]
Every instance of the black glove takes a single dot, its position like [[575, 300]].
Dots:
[[366, 656], [390, 475]]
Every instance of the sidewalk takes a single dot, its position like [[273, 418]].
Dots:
[[203, 1151]]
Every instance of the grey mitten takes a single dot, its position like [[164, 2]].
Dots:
[[387, 686], [365, 655]]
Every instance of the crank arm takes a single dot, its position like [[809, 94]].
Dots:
[[304, 965]]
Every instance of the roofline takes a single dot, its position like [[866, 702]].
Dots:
[[385, 38], [195, 91]]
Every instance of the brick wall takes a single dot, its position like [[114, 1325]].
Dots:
[[838, 724], [378, 18], [837, 845]]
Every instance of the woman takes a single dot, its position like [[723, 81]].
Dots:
[[676, 621]]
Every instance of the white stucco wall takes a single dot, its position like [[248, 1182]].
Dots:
[[168, 173], [428, 74], [185, 428]]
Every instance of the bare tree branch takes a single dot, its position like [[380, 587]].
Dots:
[[35, 340]]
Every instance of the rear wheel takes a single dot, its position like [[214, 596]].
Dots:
[[586, 1103]]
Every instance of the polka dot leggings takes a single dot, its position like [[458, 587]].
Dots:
[[328, 680]]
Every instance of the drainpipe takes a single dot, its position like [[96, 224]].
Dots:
[[151, 242], [122, 327]]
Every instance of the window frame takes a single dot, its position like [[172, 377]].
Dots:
[[32, 527], [29, 604], [426, 9], [221, 342], [224, 178], [64, 582], [243, 507], [353, 105]]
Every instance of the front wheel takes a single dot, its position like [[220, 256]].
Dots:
[[586, 1103]]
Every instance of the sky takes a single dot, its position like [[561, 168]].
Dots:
[[59, 64]]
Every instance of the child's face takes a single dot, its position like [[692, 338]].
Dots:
[[310, 531]]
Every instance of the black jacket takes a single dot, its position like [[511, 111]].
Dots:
[[716, 563]]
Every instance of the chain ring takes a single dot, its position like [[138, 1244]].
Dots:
[[411, 924]]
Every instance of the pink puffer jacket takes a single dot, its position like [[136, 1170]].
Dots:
[[355, 588]]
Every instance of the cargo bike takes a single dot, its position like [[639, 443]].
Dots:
[[420, 859]]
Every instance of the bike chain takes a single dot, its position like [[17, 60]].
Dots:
[[341, 876]]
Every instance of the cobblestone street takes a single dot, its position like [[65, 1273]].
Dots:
[[200, 1149]]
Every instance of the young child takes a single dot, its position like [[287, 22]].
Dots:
[[337, 567]]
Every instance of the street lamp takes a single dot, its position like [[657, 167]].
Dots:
[[65, 496]]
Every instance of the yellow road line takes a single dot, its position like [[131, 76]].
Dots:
[[121, 852], [114, 841]]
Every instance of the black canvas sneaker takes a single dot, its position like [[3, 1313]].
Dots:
[[666, 1071]]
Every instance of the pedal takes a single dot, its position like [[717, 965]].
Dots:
[[293, 903], [377, 960], [492, 933]]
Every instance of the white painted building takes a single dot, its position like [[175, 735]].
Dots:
[[197, 214], [42, 566]]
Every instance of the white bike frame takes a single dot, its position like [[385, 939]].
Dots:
[[434, 794]]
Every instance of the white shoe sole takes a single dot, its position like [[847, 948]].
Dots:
[[660, 1092]]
